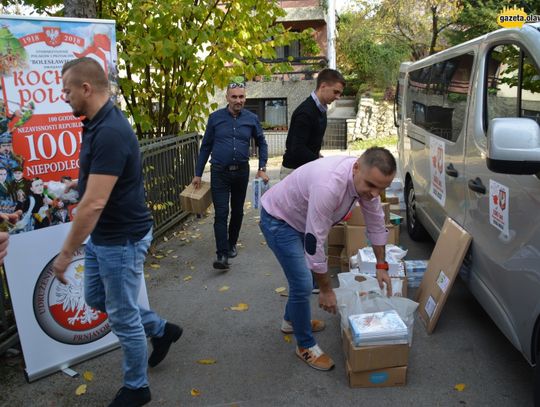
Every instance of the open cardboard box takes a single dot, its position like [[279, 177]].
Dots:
[[442, 269]]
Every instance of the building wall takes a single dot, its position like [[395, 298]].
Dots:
[[300, 3]]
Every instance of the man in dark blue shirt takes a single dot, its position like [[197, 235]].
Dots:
[[227, 137], [112, 210]]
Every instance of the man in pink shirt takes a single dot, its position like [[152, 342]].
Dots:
[[296, 216]]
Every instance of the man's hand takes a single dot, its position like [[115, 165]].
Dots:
[[196, 182], [60, 266], [328, 301], [262, 174], [383, 277]]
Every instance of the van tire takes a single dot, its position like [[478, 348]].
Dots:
[[415, 229]]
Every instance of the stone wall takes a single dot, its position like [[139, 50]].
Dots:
[[373, 120]]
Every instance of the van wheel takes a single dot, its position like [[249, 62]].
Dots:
[[415, 229]]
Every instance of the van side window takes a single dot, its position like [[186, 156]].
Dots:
[[508, 94], [437, 96]]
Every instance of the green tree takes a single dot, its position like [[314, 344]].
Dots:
[[172, 54], [366, 54]]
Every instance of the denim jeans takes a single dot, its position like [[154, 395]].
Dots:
[[228, 186], [288, 247], [112, 281]]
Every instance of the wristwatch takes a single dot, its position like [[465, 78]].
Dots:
[[382, 266], [263, 169]]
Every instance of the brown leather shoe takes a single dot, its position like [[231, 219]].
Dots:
[[315, 357], [316, 326]]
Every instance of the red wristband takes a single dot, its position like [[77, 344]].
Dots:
[[382, 266]]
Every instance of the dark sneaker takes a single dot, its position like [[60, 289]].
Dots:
[[131, 397], [233, 252], [222, 263], [161, 345]]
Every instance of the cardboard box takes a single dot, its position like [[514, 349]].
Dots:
[[442, 269], [355, 239], [334, 256], [391, 376], [196, 200], [336, 236], [393, 234], [373, 357], [344, 261], [357, 216]]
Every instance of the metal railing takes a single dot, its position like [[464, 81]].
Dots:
[[168, 166]]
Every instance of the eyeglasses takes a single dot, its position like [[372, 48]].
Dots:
[[236, 85]]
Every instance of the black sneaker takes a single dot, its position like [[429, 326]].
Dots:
[[161, 345], [131, 397], [222, 263], [233, 253]]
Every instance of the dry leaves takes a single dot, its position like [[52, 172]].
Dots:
[[88, 376], [287, 338], [80, 390], [206, 361], [154, 265], [223, 288], [187, 278], [195, 392], [240, 307], [280, 290], [460, 386]]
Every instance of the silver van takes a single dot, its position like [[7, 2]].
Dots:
[[469, 146]]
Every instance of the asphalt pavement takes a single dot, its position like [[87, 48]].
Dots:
[[230, 357]]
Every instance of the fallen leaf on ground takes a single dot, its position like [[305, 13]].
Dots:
[[175, 257], [170, 251], [81, 390], [267, 274], [280, 289], [284, 294], [155, 266], [224, 288], [195, 392], [146, 275], [460, 386], [287, 338], [240, 307], [206, 361], [159, 256], [187, 278], [88, 376], [263, 243], [192, 267]]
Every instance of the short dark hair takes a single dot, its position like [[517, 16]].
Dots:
[[381, 158], [86, 69], [331, 76]]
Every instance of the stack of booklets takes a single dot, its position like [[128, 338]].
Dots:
[[415, 271], [378, 328]]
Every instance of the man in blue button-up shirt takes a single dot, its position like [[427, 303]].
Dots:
[[227, 138]]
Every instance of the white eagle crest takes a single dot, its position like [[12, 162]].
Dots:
[[52, 34], [71, 296]]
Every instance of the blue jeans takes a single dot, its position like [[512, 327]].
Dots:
[[288, 247], [112, 281], [228, 186]]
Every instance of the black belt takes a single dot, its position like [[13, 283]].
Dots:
[[233, 167]]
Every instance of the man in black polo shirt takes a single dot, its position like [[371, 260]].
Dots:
[[227, 136], [113, 212]]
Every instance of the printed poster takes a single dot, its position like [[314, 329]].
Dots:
[[39, 153], [437, 188], [499, 202]]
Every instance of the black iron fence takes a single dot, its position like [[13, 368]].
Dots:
[[168, 166], [335, 137]]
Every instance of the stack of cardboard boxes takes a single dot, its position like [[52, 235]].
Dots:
[[375, 366]]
